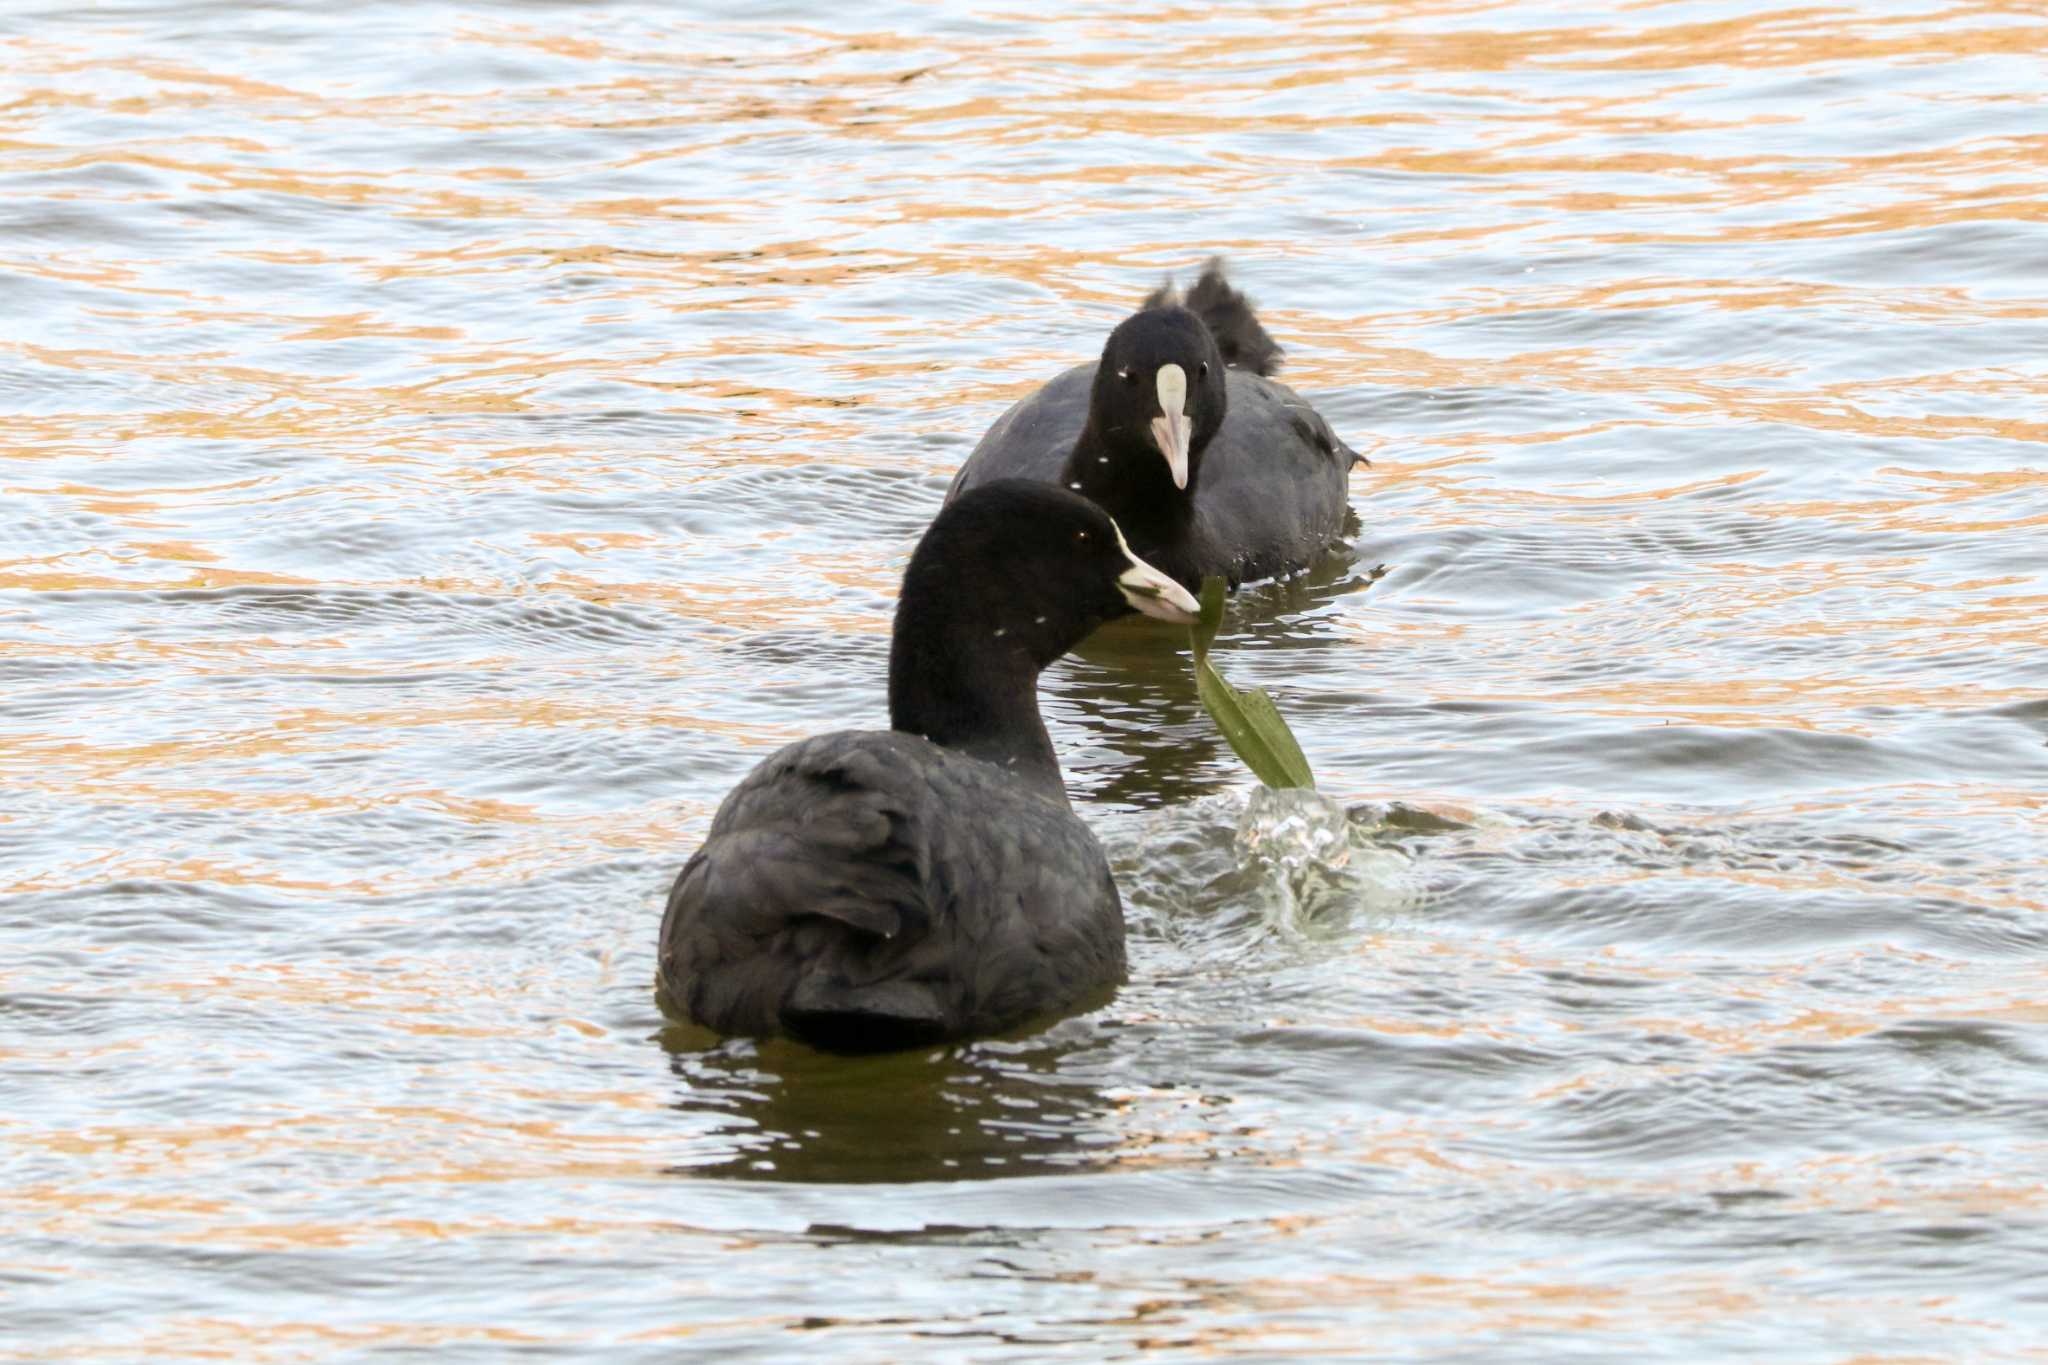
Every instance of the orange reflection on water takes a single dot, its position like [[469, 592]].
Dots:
[[973, 216]]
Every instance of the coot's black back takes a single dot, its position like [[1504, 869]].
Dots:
[[867, 890]]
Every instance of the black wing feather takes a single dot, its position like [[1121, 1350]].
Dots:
[[839, 897]]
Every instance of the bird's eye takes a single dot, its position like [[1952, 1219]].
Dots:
[[1128, 375], [1080, 535], [1203, 371]]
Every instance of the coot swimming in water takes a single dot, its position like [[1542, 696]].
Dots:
[[1180, 433], [877, 889]]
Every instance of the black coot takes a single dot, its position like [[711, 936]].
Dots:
[[1180, 433], [877, 889]]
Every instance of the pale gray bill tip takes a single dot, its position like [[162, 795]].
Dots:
[[1171, 430], [1152, 592]]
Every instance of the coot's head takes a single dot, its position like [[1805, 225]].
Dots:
[[1158, 394], [1029, 566]]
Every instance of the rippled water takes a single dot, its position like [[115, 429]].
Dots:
[[446, 448]]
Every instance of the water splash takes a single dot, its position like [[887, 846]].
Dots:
[[1315, 867]]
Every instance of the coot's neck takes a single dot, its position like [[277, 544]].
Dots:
[[1129, 480], [972, 686]]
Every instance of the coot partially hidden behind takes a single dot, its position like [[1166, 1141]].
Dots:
[[876, 889], [1181, 434]]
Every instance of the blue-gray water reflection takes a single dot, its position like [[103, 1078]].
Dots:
[[446, 448]]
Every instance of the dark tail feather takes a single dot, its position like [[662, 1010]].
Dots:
[[1229, 318], [888, 1016]]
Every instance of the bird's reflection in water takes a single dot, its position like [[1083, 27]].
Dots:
[[1132, 686], [1149, 743], [984, 1110]]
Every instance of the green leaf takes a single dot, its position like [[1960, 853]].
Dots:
[[1249, 721], [1203, 632]]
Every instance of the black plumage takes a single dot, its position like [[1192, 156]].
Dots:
[[877, 889], [1265, 479]]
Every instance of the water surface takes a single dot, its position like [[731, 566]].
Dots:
[[446, 448]]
